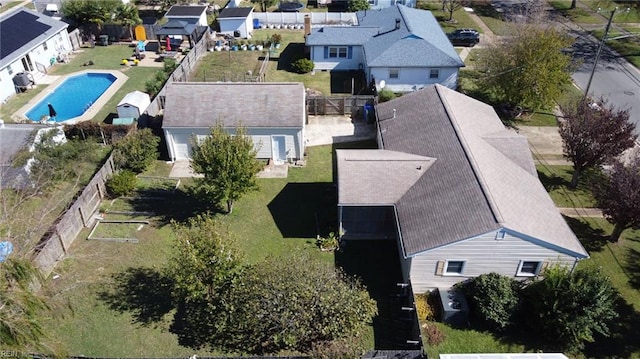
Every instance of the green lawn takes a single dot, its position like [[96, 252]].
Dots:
[[281, 218], [629, 47], [556, 180], [461, 18]]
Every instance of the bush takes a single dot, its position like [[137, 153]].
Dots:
[[343, 348], [494, 299], [385, 95], [303, 66], [433, 333], [121, 183], [137, 151], [276, 38], [425, 312]]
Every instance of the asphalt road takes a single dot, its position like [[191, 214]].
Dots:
[[615, 78]]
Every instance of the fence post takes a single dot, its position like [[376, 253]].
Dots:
[[57, 234]]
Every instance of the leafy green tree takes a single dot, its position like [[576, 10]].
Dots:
[[567, 308], [121, 183], [128, 16], [593, 134], [228, 164], [264, 4], [494, 299], [358, 5], [617, 193], [292, 303], [137, 151], [204, 269], [87, 12], [528, 69]]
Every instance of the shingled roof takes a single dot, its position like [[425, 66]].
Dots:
[[483, 177], [253, 104]]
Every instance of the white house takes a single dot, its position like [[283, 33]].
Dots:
[[272, 113], [399, 48], [457, 190], [30, 43], [236, 21], [381, 4], [192, 14]]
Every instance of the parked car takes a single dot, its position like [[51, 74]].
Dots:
[[464, 37]]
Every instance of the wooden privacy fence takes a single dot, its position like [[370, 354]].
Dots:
[[55, 243], [337, 105]]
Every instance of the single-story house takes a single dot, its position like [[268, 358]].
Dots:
[[192, 14], [133, 104], [398, 48], [30, 43], [272, 113], [381, 4], [457, 190], [236, 21]]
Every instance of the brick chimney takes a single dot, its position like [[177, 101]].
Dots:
[[307, 25]]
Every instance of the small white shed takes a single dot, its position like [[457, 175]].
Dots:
[[237, 21], [192, 14], [133, 104]]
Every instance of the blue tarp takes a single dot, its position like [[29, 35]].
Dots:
[[5, 249]]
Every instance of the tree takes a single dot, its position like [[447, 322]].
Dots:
[[451, 6], [264, 4], [358, 5], [494, 299], [86, 12], [128, 15], [618, 195], [137, 151], [567, 308], [20, 307], [294, 303], [204, 268], [594, 133], [528, 69], [228, 164]]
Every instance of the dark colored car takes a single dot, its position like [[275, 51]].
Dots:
[[464, 37]]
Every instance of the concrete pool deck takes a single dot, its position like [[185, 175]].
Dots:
[[21, 114]]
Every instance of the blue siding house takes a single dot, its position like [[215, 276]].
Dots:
[[398, 47]]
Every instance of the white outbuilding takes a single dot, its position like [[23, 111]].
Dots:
[[237, 21], [133, 104]]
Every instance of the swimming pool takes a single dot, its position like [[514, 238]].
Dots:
[[73, 97]]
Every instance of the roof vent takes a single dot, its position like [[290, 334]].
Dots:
[[397, 23]]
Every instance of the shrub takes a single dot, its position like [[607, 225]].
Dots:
[[385, 95], [121, 183], [329, 243], [343, 348], [303, 66], [276, 38], [137, 151], [494, 299], [423, 308], [433, 334]]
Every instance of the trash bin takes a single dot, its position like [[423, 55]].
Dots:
[[368, 113], [256, 23], [104, 40]]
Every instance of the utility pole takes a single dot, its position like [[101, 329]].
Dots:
[[595, 61]]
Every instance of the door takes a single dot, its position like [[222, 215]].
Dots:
[[278, 149], [27, 64]]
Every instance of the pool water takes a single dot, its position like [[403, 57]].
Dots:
[[73, 97]]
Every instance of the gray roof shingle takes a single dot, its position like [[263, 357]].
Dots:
[[253, 104], [475, 185], [186, 10], [232, 12]]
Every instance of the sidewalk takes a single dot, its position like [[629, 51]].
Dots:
[[486, 37]]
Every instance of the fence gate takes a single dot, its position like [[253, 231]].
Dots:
[[336, 105]]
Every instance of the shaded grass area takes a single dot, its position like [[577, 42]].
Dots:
[[629, 48], [556, 181], [577, 15], [461, 18], [111, 298]]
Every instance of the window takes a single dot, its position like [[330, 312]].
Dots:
[[394, 73], [454, 267], [44, 45], [528, 268], [337, 52], [372, 2], [9, 70], [434, 74]]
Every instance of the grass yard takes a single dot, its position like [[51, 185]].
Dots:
[[556, 180], [234, 65], [277, 220], [629, 48], [114, 230], [577, 15], [461, 18]]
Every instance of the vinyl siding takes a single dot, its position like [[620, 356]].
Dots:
[[483, 254], [412, 78], [322, 63], [178, 141]]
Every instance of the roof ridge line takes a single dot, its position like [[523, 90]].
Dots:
[[472, 161]]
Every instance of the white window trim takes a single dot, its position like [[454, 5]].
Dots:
[[519, 273], [397, 71], [434, 78], [446, 266], [338, 48]]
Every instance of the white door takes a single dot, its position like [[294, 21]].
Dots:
[[182, 147], [278, 149]]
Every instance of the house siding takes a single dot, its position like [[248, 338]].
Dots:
[[243, 25], [178, 141], [57, 44], [411, 79], [321, 63], [483, 254]]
